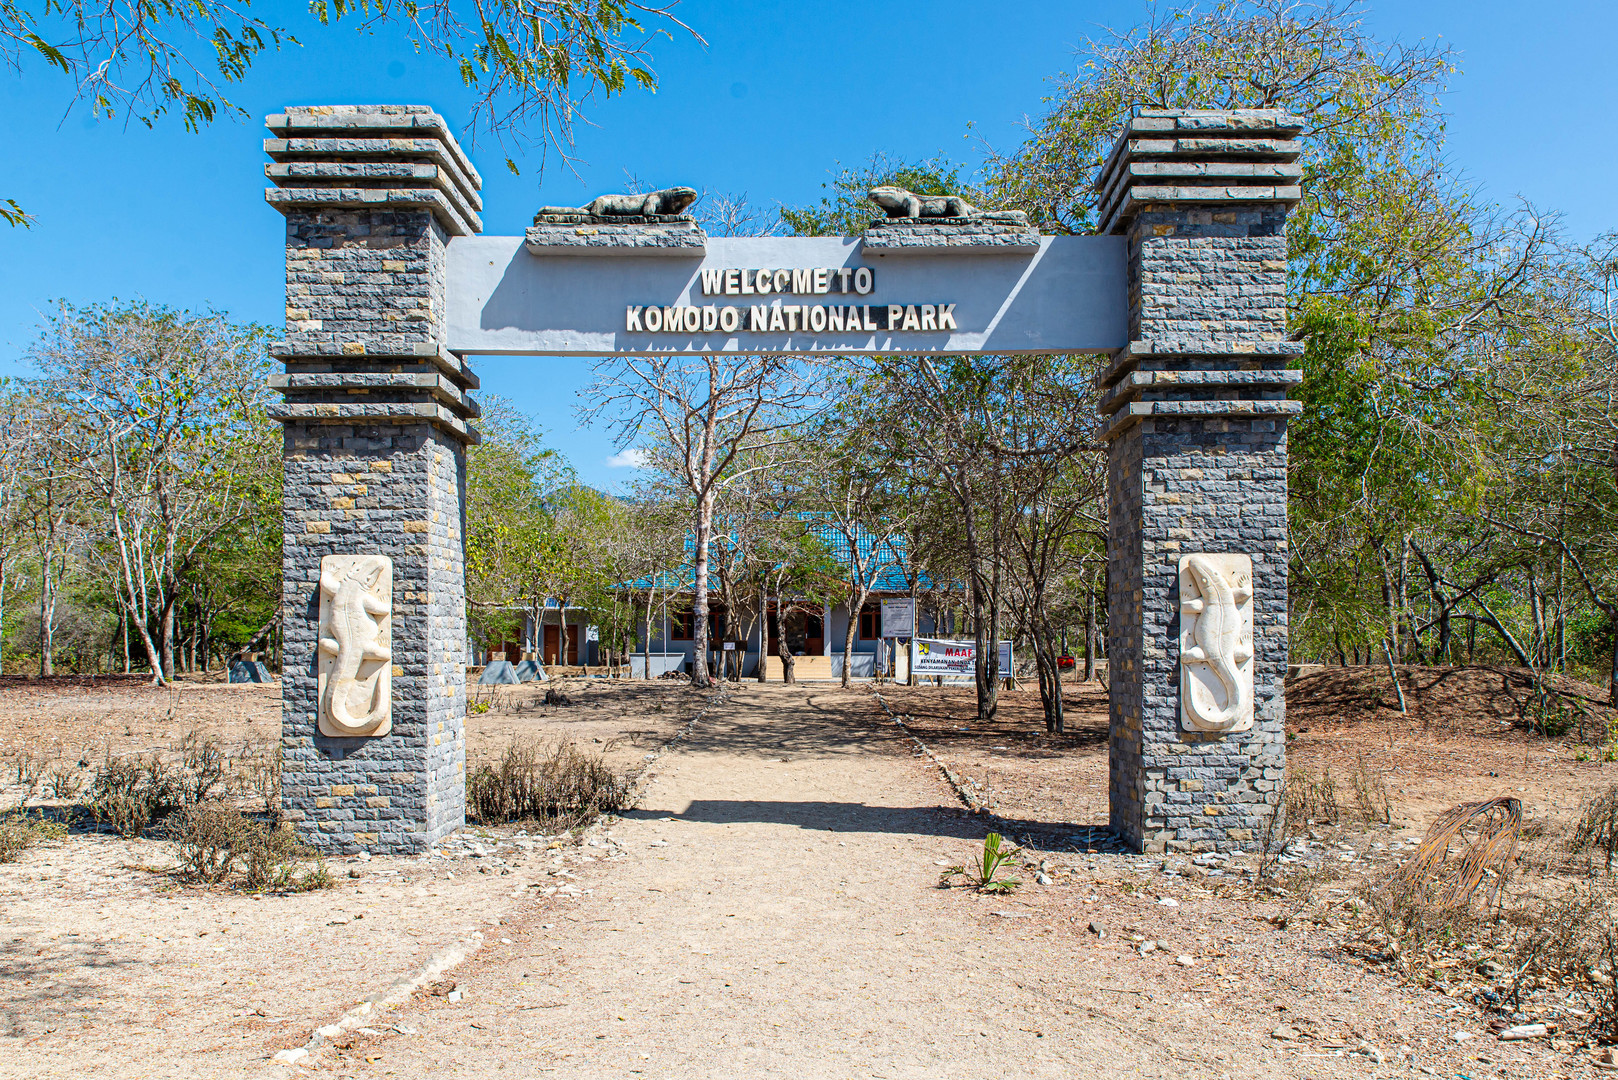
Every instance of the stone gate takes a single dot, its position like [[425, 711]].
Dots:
[[389, 286]]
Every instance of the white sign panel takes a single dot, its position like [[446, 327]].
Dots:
[[953, 657], [815, 294], [899, 618]]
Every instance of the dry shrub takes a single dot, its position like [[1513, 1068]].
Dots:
[[1371, 802], [20, 831], [132, 793], [1559, 941], [552, 783], [129, 793], [65, 782], [258, 769], [202, 768], [219, 844], [1596, 832], [1310, 798], [26, 772]]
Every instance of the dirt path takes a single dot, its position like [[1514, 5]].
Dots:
[[771, 910]]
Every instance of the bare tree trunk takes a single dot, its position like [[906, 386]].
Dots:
[[165, 630], [981, 660], [1089, 634], [699, 606], [1612, 665], [646, 641], [782, 645], [763, 632], [47, 609], [848, 638], [561, 634]]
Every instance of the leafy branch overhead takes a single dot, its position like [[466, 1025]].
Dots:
[[530, 63]]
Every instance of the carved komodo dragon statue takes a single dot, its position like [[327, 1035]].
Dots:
[[351, 636], [1219, 643], [669, 202], [899, 203]]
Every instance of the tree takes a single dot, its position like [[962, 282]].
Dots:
[[693, 416], [17, 435], [850, 489], [531, 63], [509, 476], [158, 411]]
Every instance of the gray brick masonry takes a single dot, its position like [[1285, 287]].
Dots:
[[1197, 460], [375, 456]]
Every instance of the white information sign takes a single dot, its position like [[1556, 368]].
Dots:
[[953, 657], [899, 618]]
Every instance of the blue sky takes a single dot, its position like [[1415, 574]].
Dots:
[[779, 96]]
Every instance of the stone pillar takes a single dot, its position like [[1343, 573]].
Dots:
[[375, 417], [1197, 458]]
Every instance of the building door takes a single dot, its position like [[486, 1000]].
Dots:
[[574, 633], [552, 643], [814, 634]]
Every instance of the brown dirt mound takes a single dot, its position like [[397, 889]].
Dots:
[[76, 682], [1478, 701]]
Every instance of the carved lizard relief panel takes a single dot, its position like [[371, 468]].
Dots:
[[1216, 642], [356, 645]]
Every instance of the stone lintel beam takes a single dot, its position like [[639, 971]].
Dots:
[[377, 382], [1225, 353], [322, 359], [673, 238], [930, 236], [373, 151], [1136, 411], [1138, 385], [1200, 157], [363, 414]]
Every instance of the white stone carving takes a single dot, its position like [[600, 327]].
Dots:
[[356, 645], [1216, 642]]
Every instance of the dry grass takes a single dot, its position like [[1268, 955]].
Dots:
[[1596, 832], [552, 783], [20, 831], [220, 845], [1314, 799]]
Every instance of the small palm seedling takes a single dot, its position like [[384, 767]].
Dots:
[[983, 872]]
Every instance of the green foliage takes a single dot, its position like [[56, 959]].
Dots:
[[983, 872], [845, 211], [511, 479], [1359, 98]]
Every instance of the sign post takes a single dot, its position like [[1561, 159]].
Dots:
[[898, 621]]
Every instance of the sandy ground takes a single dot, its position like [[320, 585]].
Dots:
[[770, 908], [773, 909], [109, 967]]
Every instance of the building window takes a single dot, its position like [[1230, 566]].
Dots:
[[682, 625], [716, 625], [871, 622]]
